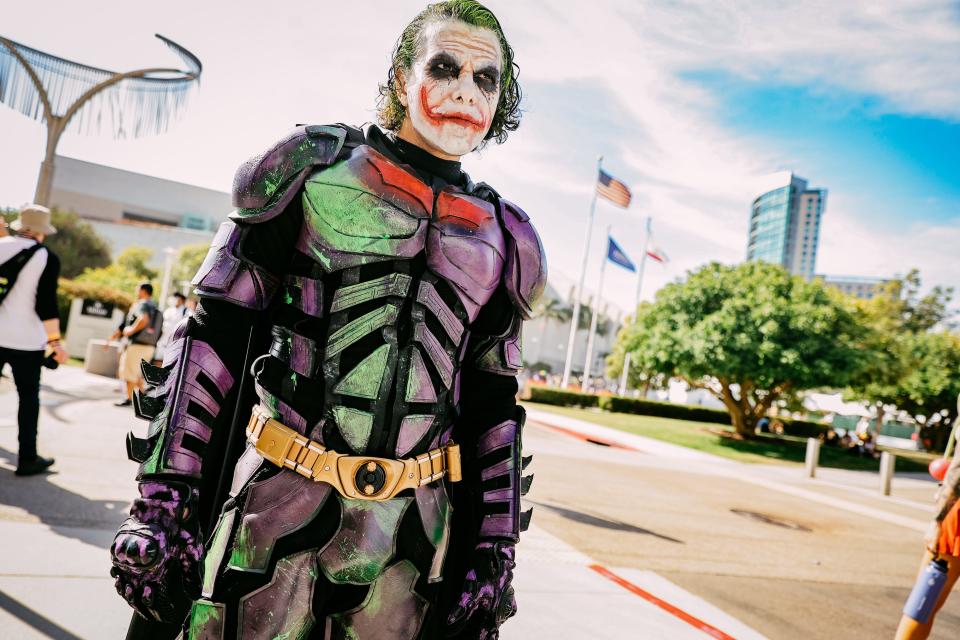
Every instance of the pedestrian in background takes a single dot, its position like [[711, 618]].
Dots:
[[943, 545], [176, 311], [140, 331], [3, 233], [29, 322]]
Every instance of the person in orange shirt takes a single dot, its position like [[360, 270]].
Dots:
[[943, 543]]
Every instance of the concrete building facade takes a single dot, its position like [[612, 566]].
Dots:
[[545, 338], [133, 209], [856, 286]]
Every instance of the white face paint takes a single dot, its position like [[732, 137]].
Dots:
[[452, 89]]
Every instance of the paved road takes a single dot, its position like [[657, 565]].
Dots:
[[790, 566], [684, 546]]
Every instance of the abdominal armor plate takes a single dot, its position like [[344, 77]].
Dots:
[[392, 353]]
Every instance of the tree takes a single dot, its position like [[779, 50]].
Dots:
[[126, 274], [930, 388], [748, 334], [552, 309], [76, 243], [135, 259], [188, 262], [893, 348], [637, 377]]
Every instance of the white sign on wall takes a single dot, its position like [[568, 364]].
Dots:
[[90, 319]]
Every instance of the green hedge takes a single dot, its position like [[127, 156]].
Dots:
[[548, 395], [68, 290], [618, 404], [802, 428]]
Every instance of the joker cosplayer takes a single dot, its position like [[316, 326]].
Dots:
[[378, 497]]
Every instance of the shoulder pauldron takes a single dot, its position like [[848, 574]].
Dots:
[[525, 271], [266, 183]]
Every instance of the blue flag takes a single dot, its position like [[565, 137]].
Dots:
[[616, 255]]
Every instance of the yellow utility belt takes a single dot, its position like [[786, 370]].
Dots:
[[356, 477]]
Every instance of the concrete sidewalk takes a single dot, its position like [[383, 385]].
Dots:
[[54, 580]]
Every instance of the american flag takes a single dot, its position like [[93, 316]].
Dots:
[[613, 190]]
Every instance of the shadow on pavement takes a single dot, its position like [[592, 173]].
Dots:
[[52, 400], [600, 521], [67, 513], [28, 616]]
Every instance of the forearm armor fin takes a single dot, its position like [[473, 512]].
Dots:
[[181, 408], [498, 451]]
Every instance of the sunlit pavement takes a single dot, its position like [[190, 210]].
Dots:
[[656, 543]]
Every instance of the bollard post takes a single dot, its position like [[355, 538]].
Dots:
[[887, 463], [813, 457]]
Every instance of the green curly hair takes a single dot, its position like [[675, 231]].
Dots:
[[506, 118]]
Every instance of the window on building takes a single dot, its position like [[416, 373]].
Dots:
[[139, 217]]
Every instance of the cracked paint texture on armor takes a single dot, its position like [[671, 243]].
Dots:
[[282, 609], [216, 551], [392, 609], [205, 621], [275, 507], [357, 212], [243, 551], [419, 386], [365, 380], [434, 506], [412, 429], [365, 541], [354, 425]]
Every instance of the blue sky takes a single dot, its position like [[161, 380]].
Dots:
[[691, 103], [895, 165]]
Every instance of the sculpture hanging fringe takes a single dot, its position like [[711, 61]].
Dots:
[[129, 104]]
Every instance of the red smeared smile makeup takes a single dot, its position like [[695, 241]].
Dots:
[[460, 118]]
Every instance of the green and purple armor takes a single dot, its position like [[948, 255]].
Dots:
[[393, 295]]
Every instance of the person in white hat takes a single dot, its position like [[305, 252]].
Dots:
[[29, 321]]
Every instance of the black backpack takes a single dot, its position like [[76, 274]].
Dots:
[[10, 270], [150, 334]]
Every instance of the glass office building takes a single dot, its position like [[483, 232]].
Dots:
[[785, 225]]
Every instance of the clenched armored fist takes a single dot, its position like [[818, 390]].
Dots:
[[157, 551], [487, 598]]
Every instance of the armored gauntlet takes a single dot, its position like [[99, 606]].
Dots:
[[156, 552], [487, 598]]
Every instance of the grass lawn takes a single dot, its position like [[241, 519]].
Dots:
[[765, 449]]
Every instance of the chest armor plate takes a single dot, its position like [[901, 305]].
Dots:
[[406, 270], [366, 209]]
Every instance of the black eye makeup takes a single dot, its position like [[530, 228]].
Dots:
[[487, 79], [443, 66]]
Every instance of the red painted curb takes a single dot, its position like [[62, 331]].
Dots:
[[710, 630], [586, 438]]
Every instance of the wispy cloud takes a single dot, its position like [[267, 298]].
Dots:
[[601, 78], [907, 53]]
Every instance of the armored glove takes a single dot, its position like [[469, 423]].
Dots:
[[156, 552], [487, 599]]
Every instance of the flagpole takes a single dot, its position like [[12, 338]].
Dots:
[[643, 264], [622, 390], [574, 321], [594, 316], [636, 302]]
